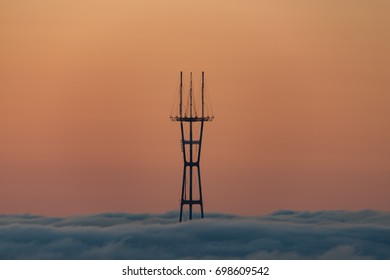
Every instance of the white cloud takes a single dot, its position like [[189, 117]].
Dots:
[[281, 235]]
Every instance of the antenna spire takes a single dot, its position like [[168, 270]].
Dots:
[[190, 94], [181, 94]]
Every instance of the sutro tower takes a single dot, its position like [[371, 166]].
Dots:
[[191, 124]]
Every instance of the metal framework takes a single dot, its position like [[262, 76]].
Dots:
[[191, 145]]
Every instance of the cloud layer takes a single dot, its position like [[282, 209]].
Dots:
[[281, 235]]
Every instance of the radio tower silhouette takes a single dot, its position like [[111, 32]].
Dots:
[[191, 125]]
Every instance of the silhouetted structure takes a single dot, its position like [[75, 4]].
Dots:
[[191, 124]]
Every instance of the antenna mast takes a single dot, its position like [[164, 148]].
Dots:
[[191, 144]]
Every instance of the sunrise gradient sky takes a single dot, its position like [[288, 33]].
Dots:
[[300, 90]]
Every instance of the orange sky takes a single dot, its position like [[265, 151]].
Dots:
[[300, 91]]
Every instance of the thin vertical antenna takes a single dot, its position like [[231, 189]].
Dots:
[[202, 94], [181, 94], [190, 94]]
